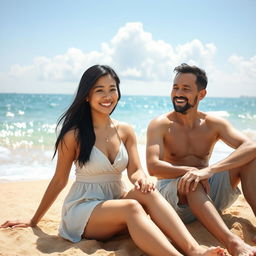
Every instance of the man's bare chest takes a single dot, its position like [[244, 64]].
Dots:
[[180, 143]]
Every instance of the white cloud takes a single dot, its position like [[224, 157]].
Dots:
[[137, 56], [132, 51], [237, 82], [131, 72], [19, 71], [245, 67]]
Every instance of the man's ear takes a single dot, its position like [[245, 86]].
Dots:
[[202, 94]]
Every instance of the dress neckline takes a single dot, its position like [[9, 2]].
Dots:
[[117, 154]]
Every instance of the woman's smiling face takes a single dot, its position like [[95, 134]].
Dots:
[[103, 96]]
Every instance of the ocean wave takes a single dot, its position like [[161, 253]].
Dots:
[[13, 172], [221, 113], [247, 116], [9, 114], [251, 134], [5, 154], [18, 171]]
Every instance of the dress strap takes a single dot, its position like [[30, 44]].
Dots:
[[116, 128]]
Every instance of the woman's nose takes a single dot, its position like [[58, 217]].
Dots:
[[107, 95]]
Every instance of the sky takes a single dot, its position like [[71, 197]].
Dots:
[[45, 46]]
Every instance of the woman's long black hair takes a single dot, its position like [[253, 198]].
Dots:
[[78, 116]]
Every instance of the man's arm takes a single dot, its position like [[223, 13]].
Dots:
[[155, 151], [245, 149]]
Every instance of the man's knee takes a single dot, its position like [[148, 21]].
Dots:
[[199, 191], [234, 176], [251, 165]]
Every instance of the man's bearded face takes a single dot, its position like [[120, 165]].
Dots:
[[186, 105]]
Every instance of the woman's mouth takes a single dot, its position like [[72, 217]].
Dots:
[[106, 104]]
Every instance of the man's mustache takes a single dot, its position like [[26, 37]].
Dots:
[[180, 98]]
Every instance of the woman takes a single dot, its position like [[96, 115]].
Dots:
[[101, 149]]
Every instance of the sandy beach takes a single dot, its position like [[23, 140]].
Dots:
[[19, 200]]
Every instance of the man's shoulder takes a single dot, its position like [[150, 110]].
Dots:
[[162, 119], [160, 123], [212, 118]]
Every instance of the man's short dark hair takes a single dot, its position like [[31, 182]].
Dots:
[[201, 78]]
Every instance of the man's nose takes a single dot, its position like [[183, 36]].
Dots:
[[178, 92]]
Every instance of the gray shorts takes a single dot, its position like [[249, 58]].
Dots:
[[221, 193]]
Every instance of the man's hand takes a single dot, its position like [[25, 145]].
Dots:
[[190, 180]]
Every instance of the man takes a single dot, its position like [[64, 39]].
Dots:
[[179, 146]]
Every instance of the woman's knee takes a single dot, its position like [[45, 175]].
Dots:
[[132, 207], [145, 198]]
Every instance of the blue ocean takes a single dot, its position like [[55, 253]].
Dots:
[[28, 122]]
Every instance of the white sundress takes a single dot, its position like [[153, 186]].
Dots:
[[96, 181]]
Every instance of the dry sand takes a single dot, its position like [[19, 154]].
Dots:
[[19, 200]]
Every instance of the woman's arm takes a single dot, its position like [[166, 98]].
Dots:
[[137, 176], [66, 155]]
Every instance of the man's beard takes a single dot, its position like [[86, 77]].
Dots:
[[183, 109]]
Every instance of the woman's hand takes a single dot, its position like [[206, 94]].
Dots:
[[146, 184], [17, 223]]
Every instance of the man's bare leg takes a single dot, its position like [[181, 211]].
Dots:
[[248, 180], [247, 176], [206, 213]]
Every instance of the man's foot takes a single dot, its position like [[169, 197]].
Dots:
[[211, 251], [239, 248]]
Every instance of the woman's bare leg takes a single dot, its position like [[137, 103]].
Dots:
[[169, 222], [116, 215]]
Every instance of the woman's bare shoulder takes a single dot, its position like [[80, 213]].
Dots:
[[70, 139]]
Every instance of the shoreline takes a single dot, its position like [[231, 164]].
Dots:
[[33, 165]]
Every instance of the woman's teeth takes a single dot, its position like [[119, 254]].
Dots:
[[105, 104]]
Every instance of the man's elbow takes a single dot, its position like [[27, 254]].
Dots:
[[152, 170], [253, 148], [251, 145]]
